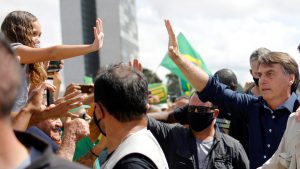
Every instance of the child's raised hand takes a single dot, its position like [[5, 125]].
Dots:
[[98, 34]]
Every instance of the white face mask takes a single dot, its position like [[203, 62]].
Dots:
[[37, 45]]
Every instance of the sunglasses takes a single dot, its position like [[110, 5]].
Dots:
[[200, 109]]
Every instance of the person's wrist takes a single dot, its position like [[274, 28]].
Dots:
[[71, 134], [93, 47], [27, 109]]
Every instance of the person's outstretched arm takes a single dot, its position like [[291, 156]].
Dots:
[[197, 77], [29, 55]]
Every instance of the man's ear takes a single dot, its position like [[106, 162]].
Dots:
[[291, 79], [99, 111], [216, 113], [147, 106]]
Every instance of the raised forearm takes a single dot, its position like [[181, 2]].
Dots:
[[67, 147], [60, 52], [21, 120], [197, 77]]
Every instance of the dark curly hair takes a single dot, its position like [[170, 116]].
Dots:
[[18, 28]]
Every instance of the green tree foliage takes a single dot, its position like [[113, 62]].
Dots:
[[151, 76], [173, 85]]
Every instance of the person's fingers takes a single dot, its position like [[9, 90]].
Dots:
[[95, 33], [71, 115], [130, 64], [169, 28], [74, 88], [72, 85], [39, 91], [71, 88], [297, 114], [51, 106], [136, 64], [72, 95], [100, 24], [68, 119], [73, 102], [59, 100], [172, 37], [50, 86]]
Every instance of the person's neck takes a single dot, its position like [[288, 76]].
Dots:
[[12, 152], [206, 134], [119, 131], [276, 102]]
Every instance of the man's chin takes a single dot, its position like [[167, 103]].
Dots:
[[266, 96]]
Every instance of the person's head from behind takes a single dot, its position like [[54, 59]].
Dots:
[[201, 115], [278, 75], [254, 62], [180, 102], [23, 27], [10, 78], [120, 92], [227, 77]]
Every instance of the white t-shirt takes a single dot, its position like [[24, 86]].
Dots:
[[22, 96]]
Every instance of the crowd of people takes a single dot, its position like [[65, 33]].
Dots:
[[112, 125]]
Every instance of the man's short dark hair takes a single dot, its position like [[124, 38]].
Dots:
[[9, 77], [227, 77], [123, 91]]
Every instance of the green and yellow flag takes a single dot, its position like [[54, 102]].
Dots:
[[160, 90], [190, 54]]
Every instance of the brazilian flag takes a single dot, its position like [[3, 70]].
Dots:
[[190, 54], [160, 90]]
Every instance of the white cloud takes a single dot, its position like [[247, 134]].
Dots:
[[223, 32]]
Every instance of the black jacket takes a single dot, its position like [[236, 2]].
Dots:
[[47, 160], [179, 146]]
